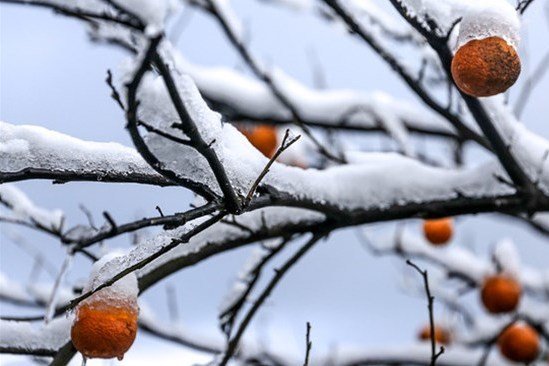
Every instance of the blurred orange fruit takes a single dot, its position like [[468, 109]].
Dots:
[[263, 137], [442, 335], [519, 343], [500, 294], [438, 231]]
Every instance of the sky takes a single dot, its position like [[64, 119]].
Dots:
[[52, 76]]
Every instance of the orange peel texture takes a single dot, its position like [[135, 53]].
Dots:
[[485, 67], [104, 330]]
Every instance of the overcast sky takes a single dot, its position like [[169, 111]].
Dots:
[[52, 76]]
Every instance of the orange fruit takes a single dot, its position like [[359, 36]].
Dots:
[[104, 330], [438, 231], [485, 67], [442, 335], [263, 137], [500, 294], [519, 343]]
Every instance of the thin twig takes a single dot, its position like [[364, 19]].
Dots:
[[308, 344], [430, 300], [283, 146], [279, 274], [143, 262], [263, 75]]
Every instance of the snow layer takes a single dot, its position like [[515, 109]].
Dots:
[[487, 18], [222, 235], [506, 255], [124, 291], [36, 147], [29, 336], [480, 19], [463, 262], [531, 150], [152, 12], [345, 186], [372, 180], [12, 291], [245, 276], [250, 97], [24, 209], [32, 293]]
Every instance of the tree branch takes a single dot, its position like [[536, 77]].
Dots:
[[279, 274], [430, 299]]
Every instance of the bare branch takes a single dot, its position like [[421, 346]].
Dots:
[[430, 300], [279, 274], [308, 344], [283, 146]]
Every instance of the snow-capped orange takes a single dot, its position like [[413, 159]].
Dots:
[[105, 324]]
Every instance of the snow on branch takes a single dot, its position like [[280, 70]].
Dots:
[[461, 263], [530, 150], [367, 183], [21, 337], [241, 97], [22, 208], [33, 152], [250, 227]]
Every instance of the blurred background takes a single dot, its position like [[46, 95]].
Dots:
[[51, 75]]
